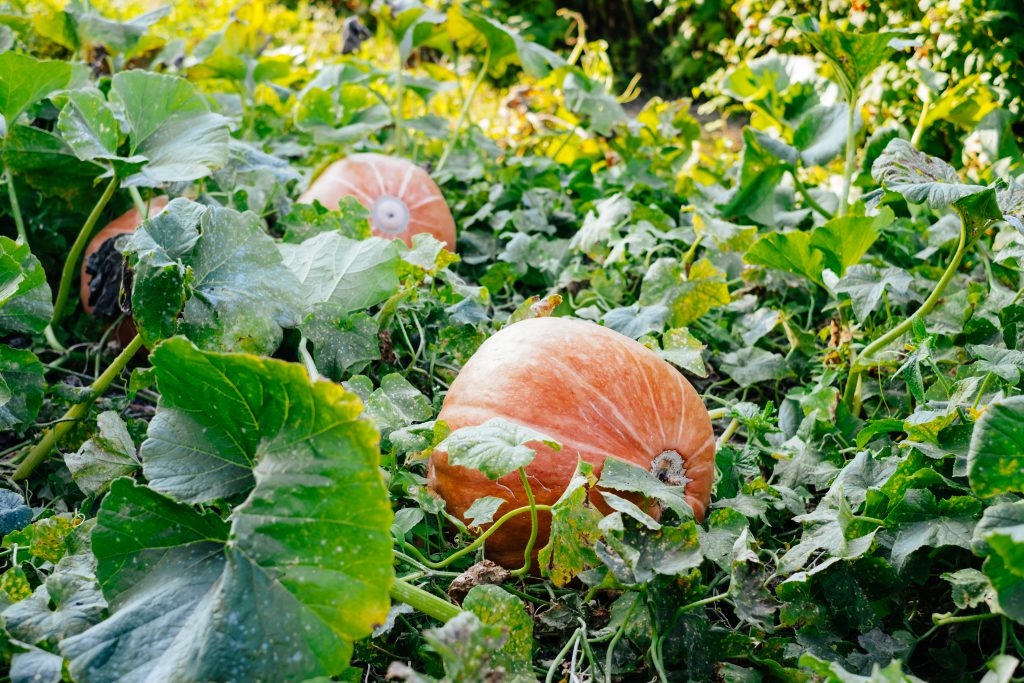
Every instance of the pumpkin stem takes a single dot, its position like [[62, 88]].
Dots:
[[669, 468]]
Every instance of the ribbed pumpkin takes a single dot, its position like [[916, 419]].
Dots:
[[598, 393], [124, 224], [402, 198]]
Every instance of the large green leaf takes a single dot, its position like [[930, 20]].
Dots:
[[352, 274], [920, 520], [281, 588], [853, 55], [214, 275], [788, 251], [109, 454], [574, 530], [25, 298], [89, 125], [93, 28], [996, 456], [22, 386], [919, 177], [47, 163], [503, 44], [495, 447], [25, 80], [171, 125], [497, 607]]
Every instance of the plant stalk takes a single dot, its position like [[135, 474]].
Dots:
[[71, 263], [399, 102], [851, 154], [52, 437], [528, 553], [15, 207], [425, 602], [465, 110], [805, 193], [915, 139], [858, 365]]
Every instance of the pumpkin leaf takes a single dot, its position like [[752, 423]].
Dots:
[[574, 530], [920, 520], [497, 607], [852, 55], [22, 387], [25, 298], [638, 554], [497, 447], [171, 125], [295, 573], [106, 456], [342, 342], [25, 80], [482, 511], [93, 28], [397, 404], [866, 285], [351, 274], [996, 453], [921, 178], [14, 513], [213, 275]]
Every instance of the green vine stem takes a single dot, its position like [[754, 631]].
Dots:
[[949, 618], [915, 139], [465, 110], [140, 205], [534, 526], [851, 153], [425, 602], [71, 263], [15, 207], [852, 391], [718, 413], [480, 540], [307, 360], [615, 641], [399, 103], [42, 449], [806, 194]]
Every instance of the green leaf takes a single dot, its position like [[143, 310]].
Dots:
[[821, 135], [171, 125], [92, 28], [996, 456], [505, 45], [638, 554], [22, 387], [920, 520], [468, 649], [495, 447], [89, 126], [351, 220], [14, 513], [281, 588], [67, 602], [106, 456], [919, 177], [853, 55], [497, 607], [619, 475], [846, 239], [866, 285], [754, 365], [482, 511], [1006, 364], [49, 165], [25, 81], [397, 404], [683, 350], [574, 530], [590, 101], [353, 274], [212, 274], [788, 251], [25, 298], [342, 342], [827, 530], [688, 296]]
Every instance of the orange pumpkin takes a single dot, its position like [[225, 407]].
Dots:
[[124, 224], [402, 198], [598, 393]]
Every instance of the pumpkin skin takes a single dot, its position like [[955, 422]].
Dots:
[[595, 391], [124, 224], [401, 197]]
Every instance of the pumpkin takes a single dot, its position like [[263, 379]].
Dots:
[[401, 197], [124, 224], [596, 392]]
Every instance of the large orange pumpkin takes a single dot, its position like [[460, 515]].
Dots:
[[402, 198], [126, 223], [598, 393]]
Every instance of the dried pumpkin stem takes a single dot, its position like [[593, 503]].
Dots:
[[528, 553], [71, 263], [76, 412]]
